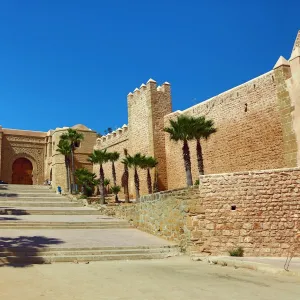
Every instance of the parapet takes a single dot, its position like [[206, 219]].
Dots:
[[150, 86], [207, 106], [117, 136]]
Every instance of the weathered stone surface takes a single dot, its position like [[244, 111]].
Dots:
[[203, 221]]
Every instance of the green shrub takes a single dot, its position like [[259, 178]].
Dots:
[[239, 252], [197, 182]]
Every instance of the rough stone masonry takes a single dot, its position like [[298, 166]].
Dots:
[[258, 211]]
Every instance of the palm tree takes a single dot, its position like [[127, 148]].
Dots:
[[86, 179], [135, 162], [115, 190], [202, 128], [64, 148], [74, 138], [113, 157], [106, 185], [125, 177], [149, 163], [100, 157], [181, 130]]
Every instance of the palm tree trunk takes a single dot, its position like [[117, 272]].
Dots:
[[125, 184], [116, 198], [68, 174], [114, 175], [187, 163], [101, 185], [73, 170], [67, 170], [137, 184], [149, 181], [200, 157], [155, 184]]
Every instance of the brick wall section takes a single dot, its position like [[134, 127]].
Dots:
[[266, 218], [201, 220], [163, 214], [281, 74], [249, 133]]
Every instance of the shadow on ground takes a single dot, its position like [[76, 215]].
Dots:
[[8, 195], [8, 219], [24, 251], [12, 211]]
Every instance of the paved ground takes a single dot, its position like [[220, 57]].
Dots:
[[176, 278], [80, 238], [272, 262]]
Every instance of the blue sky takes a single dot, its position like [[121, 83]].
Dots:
[[67, 62]]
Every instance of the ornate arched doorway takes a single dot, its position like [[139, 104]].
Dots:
[[22, 171]]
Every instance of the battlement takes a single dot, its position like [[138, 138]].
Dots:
[[150, 86], [112, 138]]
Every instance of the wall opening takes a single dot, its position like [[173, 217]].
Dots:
[[22, 171]]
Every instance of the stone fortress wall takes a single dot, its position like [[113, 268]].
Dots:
[[258, 126], [256, 210], [144, 133]]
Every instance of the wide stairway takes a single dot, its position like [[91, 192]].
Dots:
[[39, 226]]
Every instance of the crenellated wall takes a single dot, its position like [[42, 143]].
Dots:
[[146, 109], [117, 141]]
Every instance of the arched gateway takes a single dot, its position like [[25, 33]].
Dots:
[[22, 171]]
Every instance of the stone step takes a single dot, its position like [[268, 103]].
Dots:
[[16, 187], [32, 194], [86, 251], [58, 219], [37, 199], [48, 211], [38, 204], [85, 255], [64, 225]]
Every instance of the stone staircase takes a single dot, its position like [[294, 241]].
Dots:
[[39, 226]]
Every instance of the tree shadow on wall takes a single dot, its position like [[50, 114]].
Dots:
[[24, 251]]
